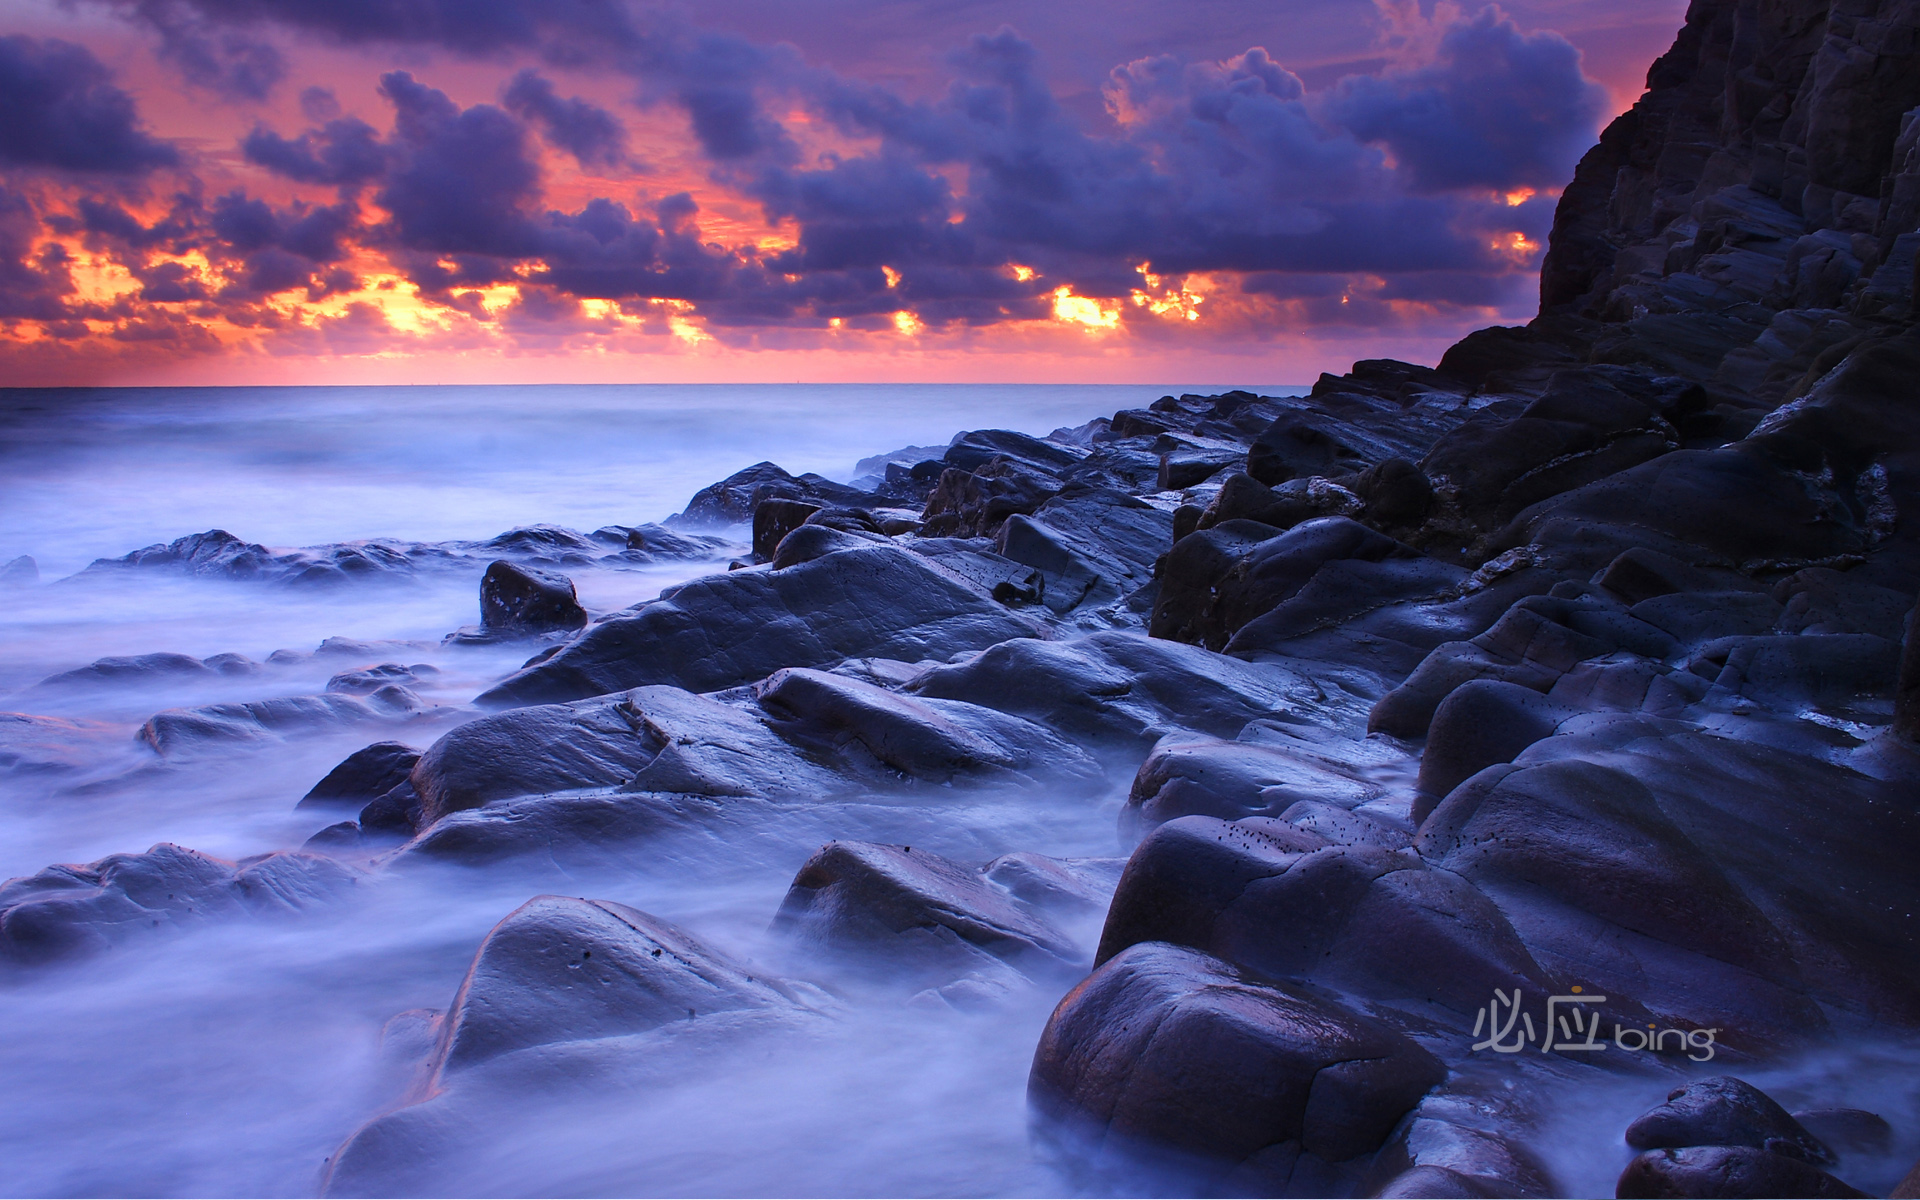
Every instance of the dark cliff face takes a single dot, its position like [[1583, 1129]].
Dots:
[[1767, 187]]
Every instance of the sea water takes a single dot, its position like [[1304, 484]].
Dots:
[[232, 1058]]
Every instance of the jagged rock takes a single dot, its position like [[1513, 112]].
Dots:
[[364, 775], [1704, 1172], [560, 970], [69, 911], [1692, 618], [725, 630], [811, 541], [733, 500], [1243, 498], [1822, 600], [1069, 578], [523, 600], [1189, 579], [1639, 574], [974, 504], [1535, 644], [395, 811], [1838, 672], [541, 543], [1167, 1048], [215, 553], [592, 828], [918, 914], [1725, 1111], [1186, 465], [1070, 887], [1431, 1155]]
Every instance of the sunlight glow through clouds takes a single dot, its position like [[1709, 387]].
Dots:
[[731, 196]]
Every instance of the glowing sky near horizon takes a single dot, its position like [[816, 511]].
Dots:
[[292, 191]]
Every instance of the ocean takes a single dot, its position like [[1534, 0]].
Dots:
[[232, 1057]]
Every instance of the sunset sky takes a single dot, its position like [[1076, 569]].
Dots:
[[412, 191]]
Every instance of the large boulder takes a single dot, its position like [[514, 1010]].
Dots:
[[1186, 776], [1284, 900], [1733, 505], [918, 914], [517, 600], [1168, 1049], [560, 969], [1211, 591], [726, 630], [1726, 1173], [563, 993], [651, 739], [364, 775], [861, 727], [1686, 872], [976, 503], [1479, 724], [733, 500], [1725, 1111]]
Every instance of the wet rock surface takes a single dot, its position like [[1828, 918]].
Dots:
[[1579, 669]]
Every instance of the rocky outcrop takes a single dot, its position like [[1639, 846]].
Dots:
[[67, 912]]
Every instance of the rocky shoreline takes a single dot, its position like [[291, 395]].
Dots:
[[1571, 680]]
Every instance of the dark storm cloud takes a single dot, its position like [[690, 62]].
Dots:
[[468, 26], [345, 152], [59, 109], [1496, 108], [221, 59], [462, 179], [1229, 166], [594, 136]]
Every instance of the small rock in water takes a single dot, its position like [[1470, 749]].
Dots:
[[1848, 1130], [364, 775], [522, 600]]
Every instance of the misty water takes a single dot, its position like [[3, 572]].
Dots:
[[232, 1057]]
